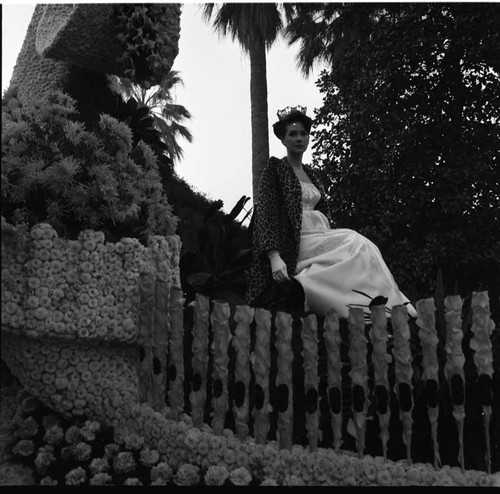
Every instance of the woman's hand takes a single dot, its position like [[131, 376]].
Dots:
[[278, 267]]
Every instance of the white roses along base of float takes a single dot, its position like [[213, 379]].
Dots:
[[179, 453], [218, 457]]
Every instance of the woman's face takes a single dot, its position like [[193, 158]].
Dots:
[[296, 138]]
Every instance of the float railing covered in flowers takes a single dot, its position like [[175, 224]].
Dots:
[[100, 331], [259, 340]]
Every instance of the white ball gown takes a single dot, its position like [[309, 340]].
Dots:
[[339, 268]]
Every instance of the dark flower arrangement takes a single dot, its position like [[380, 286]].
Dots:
[[149, 34]]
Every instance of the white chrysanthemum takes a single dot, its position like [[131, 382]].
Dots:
[[124, 462], [229, 456], [384, 477], [57, 316], [42, 254], [495, 479], [48, 481], [89, 430], [370, 472], [119, 247], [149, 457], [240, 476], [133, 481], [77, 476], [128, 325], [270, 453], [41, 313], [162, 471], [101, 478], [44, 458], [54, 435], [485, 480], [268, 482], [73, 435], [158, 482], [89, 245], [27, 428], [56, 266], [192, 438], [242, 459], [111, 450], [203, 446], [32, 302], [213, 456], [33, 282], [443, 479], [86, 278], [293, 480], [414, 475], [71, 277], [216, 475], [25, 448], [187, 474], [82, 451]]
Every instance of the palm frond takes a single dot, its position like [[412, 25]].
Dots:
[[158, 104], [175, 112], [246, 22], [325, 30]]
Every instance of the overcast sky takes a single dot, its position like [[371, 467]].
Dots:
[[216, 75]]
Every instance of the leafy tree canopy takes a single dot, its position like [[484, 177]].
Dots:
[[408, 139]]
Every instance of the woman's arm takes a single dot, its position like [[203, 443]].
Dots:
[[266, 224], [278, 266]]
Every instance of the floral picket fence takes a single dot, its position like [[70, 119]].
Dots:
[[217, 327]]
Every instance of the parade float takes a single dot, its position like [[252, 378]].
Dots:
[[108, 387]]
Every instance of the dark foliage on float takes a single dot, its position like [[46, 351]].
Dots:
[[216, 263]]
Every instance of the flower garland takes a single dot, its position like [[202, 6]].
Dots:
[[426, 321], [454, 368]]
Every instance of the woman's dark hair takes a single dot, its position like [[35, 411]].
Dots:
[[279, 128]]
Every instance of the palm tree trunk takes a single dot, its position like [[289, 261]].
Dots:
[[260, 124]]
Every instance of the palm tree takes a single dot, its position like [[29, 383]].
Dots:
[[325, 30], [167, 115], [256, 27]]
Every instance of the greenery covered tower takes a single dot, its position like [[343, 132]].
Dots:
[[85, 218]]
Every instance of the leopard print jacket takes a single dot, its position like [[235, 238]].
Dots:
[[277, 225]]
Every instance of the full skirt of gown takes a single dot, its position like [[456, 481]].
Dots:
[[339, 268]]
